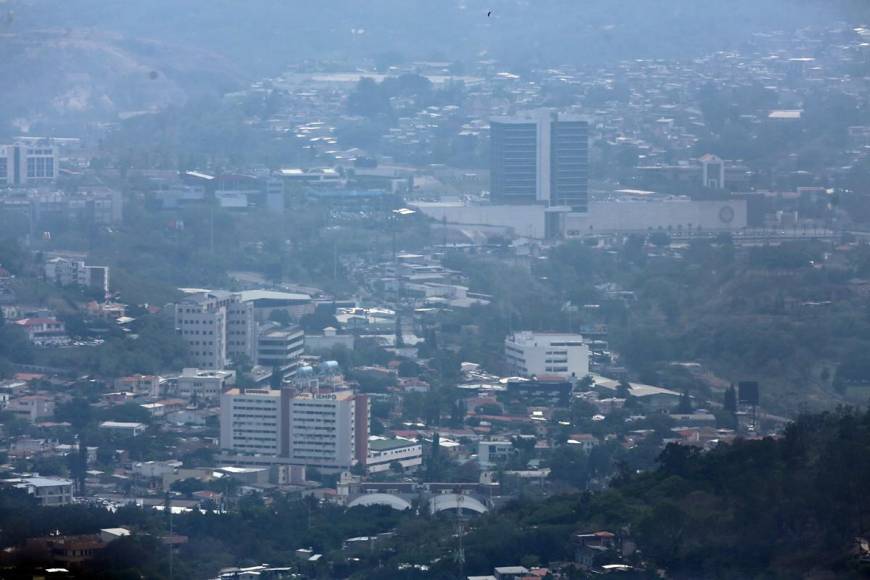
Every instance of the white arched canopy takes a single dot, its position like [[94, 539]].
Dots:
[[453, 501], [386, 499]]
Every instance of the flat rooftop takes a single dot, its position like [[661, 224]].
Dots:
[[255, 295], [387, 444]]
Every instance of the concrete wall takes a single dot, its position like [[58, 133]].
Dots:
[[641, 216], [522, 220], [603, 216]]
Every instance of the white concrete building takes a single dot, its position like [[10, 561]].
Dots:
[[124, 428], [327, 430], [32, 408], [205, 385], [148, 385], [44, 331], [217, 327], [491, 453], [712, 171], [677, 216], [280, 347], [155, 469], [251, 421], [98, 205], [330, 338], [67, 272], [538, 354], [267, 302], [27, 163], [49, 491], [111, 534], [383, 452], [323, 429]]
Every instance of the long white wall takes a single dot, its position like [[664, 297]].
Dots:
[[641, 216], [524, 220], [602, 217]]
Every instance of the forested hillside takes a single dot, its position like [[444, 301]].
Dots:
[[772, 508]]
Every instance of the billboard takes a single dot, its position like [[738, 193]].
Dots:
[[747, 393]]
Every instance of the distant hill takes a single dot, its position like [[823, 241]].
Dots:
[[61, 79], [93, 57], [264, 35]]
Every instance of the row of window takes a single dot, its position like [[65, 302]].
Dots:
[[40, 167], [197, 332]]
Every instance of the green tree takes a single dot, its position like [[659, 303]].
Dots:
[[684, 407], [729, 402], [570, 465]]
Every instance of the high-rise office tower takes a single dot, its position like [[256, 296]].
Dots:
[[217, 327], [514, 160], [539, 158]]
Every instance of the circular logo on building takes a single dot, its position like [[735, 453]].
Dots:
[[726, 214]]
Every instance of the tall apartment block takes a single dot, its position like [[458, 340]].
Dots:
[[327, 430], [218, 327], [541, 158]]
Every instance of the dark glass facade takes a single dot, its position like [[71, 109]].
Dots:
[[513, 162], [569, 160]]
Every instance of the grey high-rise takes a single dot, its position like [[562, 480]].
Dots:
[[569, 161], [514, 160], [540, 158]]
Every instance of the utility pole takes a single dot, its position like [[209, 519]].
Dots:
[[395, 225], [460, 532], [335, 259], [444, 231], [211, 229], [167, 506], [171, 550]]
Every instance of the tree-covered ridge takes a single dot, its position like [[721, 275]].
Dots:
[[787, 315], [770, 508]]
